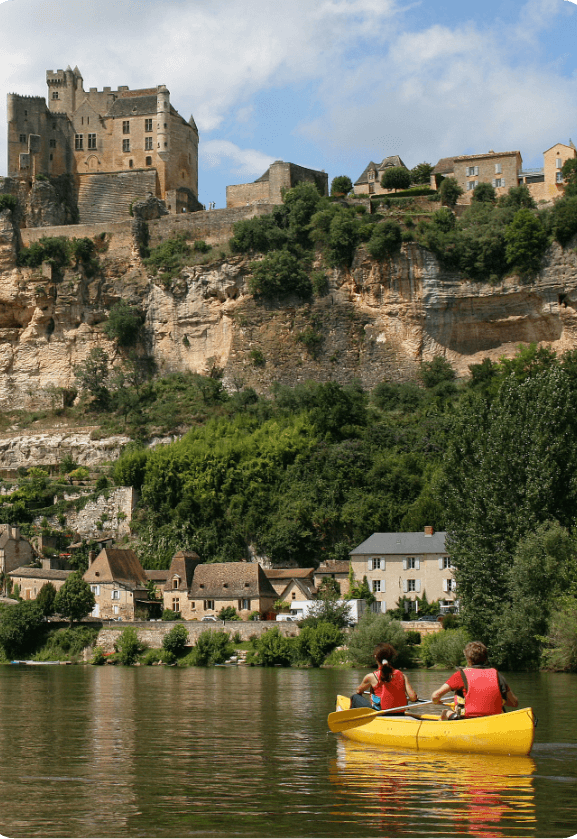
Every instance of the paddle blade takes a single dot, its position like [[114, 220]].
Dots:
[[342, 720]]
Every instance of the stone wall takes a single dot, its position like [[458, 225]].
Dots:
[[214, 226], [239, 195]]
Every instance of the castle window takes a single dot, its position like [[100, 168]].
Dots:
[[165, 125], [126, 126], [92, 141], [51, 157], [165, 145], [148, 125], [55, 94], [52, 144], [149, 161], [148, 143], [79, 142], [23, 138], [26, 114], [130, 163], [126, 145]]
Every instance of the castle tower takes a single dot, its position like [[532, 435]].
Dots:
[[63, 87], [162, 131]]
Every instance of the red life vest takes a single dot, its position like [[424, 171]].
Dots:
[[392, 693], [482, 693]]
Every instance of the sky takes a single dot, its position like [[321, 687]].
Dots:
[[327, 84]]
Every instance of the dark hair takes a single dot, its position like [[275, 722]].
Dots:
[[475, 652], [385, 653]]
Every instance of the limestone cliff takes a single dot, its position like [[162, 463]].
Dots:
[[377, 320]]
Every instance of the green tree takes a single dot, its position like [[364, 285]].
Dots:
[[75, 599], [124, 324], [564, 219], [449, 192], [279, 274], [517, 198], [341, 185], [569, 172], [228, 613], [386, 240], [315, 643], [175, 640], [271, 649], [128, 647], [526, 240], [20, 625], [560, 651], [92, 375], [212, 647], [484, 193], [445, 648], [421, 173], [373, 629], [434, 372], [45, 599], [396, 177]]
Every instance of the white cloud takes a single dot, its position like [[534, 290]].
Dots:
[[249, 163]]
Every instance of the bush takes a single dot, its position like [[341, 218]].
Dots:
[[169, 615], [98, 657], [451, 622], [312, 340], [20, 626], [341, 185], [432, 373], [373, 629], [484, 193], [314, 643], [386, 240], [175, 640], [201, 246], [128, 647], [564, 219], [278, 274], [445, 648], [526, 240], [124, 324], [151, 657], [270, 649], [413, 637], [212, 647], [7, 201], [228, 613], [170, 256], [257, 357], [561, 642], [67, 643], [449, 192]]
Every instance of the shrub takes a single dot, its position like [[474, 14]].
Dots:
[[175, 640], [258, 235], [7, 201], [124, 324], [278, 274], [451, 622], [386, 240], [169, 615], [212, 647], [413, 637], [373, 629], [314, 643], [270, 649], [228, 613], [436, 371], [67, 643], [151, 657], [311, 339], [564, 219], [484, 193], [201, 246], [341, 185], [169, 256], [449, 192], [526, 240], [19, 627], [445, 648], [98, 657], [320, 283], [128, 647], [561, 642], [257, 357]]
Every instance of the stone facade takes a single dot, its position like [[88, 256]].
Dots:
[[501, 169], [118, 582], [31, 580], [405, 565], [90, 134], [553, 160], [369, 182], [15, 551], [280, 578], [336, 570], [268, 189]]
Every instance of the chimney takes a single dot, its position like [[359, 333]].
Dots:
[[15, 533], [429, 530], [91, 557]]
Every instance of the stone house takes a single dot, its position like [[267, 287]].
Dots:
[[369, 182], [30, 580], [268, 189], [214, 586], [338, 570], [297, 590], [553, 160], [445, 168], [15, 551], [115, 145], [118, 582], [158, 576], [501, 169], [280, 578], [405, 565]]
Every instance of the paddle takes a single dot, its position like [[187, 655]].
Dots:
[[343, 720]]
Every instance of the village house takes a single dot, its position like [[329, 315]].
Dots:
[[15, 551], [369, 182], [336, 569], [200, 590], [407, 565], [281, 578], [501, 169], [269, 188], [158, 577], [118, 582], [30, 580]]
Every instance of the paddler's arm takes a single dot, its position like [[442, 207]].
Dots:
[[409, 690], [439, 693], [511, 699], [368, 682]]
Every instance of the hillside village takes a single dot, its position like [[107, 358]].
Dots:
[[118, 164]]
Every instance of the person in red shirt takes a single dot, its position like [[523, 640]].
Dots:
[[482, 688], [389, 687]]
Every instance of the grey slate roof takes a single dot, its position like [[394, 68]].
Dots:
[[288, 573], [364, 178], [39, 573], [133, 106], [230, 580], [401, 543], [444, 166]]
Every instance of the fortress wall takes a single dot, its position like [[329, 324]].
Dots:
[[214, 226], [242, 194]]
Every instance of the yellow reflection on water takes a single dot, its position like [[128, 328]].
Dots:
[[475, 795]]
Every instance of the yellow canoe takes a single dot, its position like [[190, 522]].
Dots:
[[501, 734]]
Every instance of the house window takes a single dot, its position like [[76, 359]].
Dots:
[[126, 145], [558, 163], [176, 604], [115, 595], [374, 564], [472, 185], [52, 144], [558, 177], [55, 94], [130, 163], [244, 604], [149, 161], [472, 171], [79, 142], [175, 582], [371, 175], [376, 585], [444, 562], [95, 590], [411, 562], [126, 126], [499, 182], [23, 138], [115, 609], [294, 595], [148, 144], [92, 141], [376, 606], [208, 605], [449, 585], [498, 168], [148, 125], [411, 585]]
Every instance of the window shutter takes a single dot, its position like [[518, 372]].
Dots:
[[440, 564], [445, 585], [405, 585], [417, 585], [404, 566], [383, 585], [502, 181], [383, 606], [417, 564], [370, 564], [494, 182], [476, 170]]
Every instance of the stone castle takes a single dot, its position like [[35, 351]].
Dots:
[[114, 145]]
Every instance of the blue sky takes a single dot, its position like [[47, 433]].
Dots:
[[329, 84]]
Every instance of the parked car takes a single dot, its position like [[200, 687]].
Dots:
[[429, 618], [209, 618], [285, 618]]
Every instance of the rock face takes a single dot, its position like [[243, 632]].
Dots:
[[45, 206], [378, 320], [50, 449], [149, 208]]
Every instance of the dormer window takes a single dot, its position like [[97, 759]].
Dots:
[[371, 174]]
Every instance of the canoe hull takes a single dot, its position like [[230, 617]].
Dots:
[[502, 734]]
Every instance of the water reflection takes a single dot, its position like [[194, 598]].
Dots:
[[476, 795]]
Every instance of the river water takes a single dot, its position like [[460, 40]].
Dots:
[[236, 752]]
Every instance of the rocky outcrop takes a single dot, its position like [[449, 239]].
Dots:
[[49, 450], [45, 206], [149, 208], [378, 320], [8, 241]]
